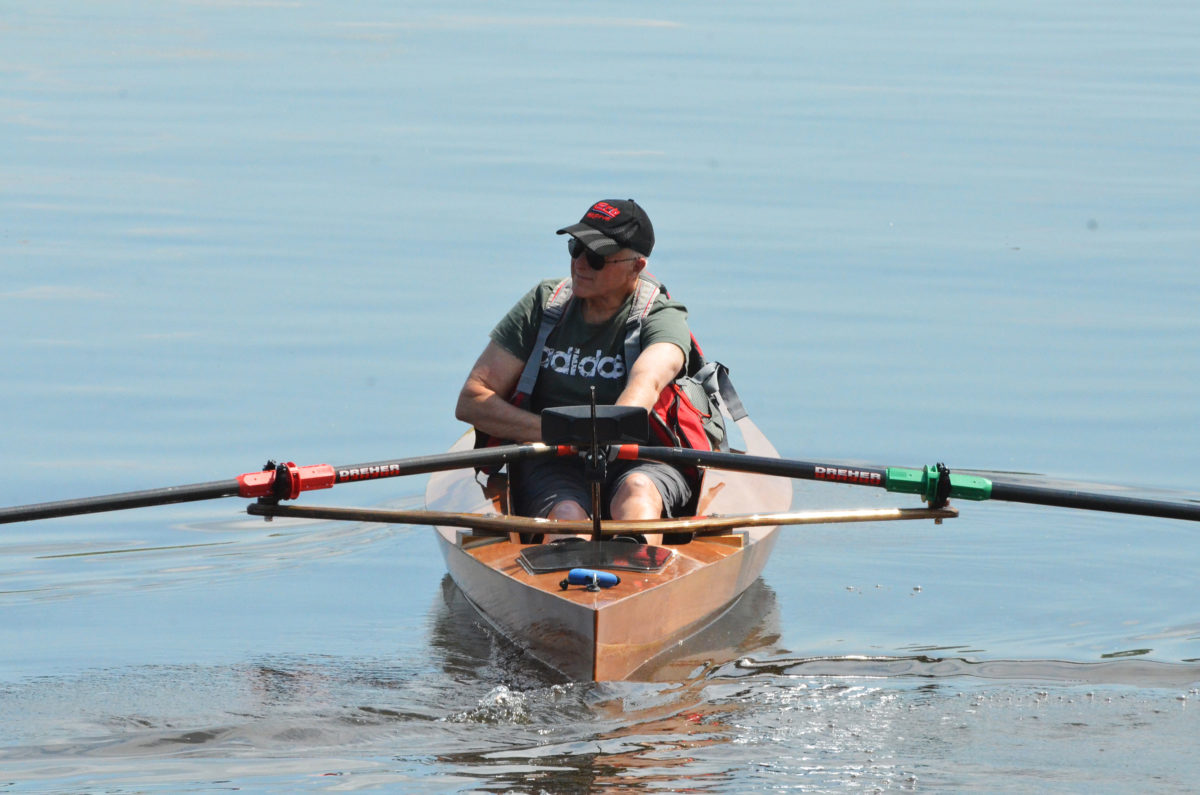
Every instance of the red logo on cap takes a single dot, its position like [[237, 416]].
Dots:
[[604, 210]]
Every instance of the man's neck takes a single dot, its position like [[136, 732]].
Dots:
[[600, 310]]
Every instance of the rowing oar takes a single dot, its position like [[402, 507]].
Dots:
[[499, 524], [934, 484], [283, 481]]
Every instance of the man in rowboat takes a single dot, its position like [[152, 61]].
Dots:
[[609, 249]]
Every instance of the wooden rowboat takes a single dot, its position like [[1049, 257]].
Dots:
[[610, 633]]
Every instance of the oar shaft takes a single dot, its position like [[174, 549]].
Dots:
[[972, 487], [1064, 498], [286, 481], [118, 502], [420, 465], [761, 465], [928, 483]]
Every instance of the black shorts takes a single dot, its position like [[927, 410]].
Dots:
[[540, 483]]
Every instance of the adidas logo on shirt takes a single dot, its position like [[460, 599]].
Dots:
[[570, 362]]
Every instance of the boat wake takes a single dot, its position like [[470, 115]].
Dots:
[[1141, 673]]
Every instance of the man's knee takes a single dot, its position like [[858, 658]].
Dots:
[[637, 498], [639, 485], [568, 510]]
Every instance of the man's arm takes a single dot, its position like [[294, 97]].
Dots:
[[483, 401], [655, 367]]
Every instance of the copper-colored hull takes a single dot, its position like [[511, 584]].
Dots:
[[611, 634]]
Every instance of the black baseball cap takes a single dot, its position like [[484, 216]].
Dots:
[[611, 225]]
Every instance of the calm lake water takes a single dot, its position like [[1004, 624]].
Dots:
[[234, 230]]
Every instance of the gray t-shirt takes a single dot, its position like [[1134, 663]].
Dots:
[[579, 355]]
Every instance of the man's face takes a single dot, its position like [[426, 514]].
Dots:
[[616, 278]]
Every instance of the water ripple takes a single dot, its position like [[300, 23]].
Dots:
[[34, 568], [1127, 671]]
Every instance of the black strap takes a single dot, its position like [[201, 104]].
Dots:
[[552, 313], [942, 495]]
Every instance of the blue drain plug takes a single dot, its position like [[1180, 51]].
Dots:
[[594, 580]]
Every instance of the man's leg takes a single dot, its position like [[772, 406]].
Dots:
[[649, 490], [637, 498]]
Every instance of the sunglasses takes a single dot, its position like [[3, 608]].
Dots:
[[594, 260]]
